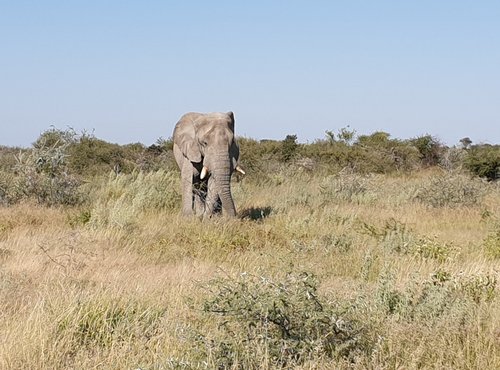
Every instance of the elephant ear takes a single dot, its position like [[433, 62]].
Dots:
[[234, 153], [185, 139], [234, 150], [231, 120]]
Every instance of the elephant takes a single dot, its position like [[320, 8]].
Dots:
[[207, 154]]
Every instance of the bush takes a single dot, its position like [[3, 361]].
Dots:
[[446, 298], [378, 153], [451, 190], [8, 158], [55, 138], [260, 159], [42, 174], [90, 156], [345, 186], [283, 324], [453, 159], [431, 248], [10, 188], [484, 161], [289, 148], [491, 243], [396, 236], [331, 155], [430, 149]]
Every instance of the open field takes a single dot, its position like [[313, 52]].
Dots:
[[322, 271]]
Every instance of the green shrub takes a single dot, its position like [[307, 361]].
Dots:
[[282, 323], [332, 242], [345, 186], [8, 158], [484, 161], [453, 159], [446, 298], [82, 217], [479, 287], [10, 189], [431, 248], [430, 149], [42, 174], [90, 156], [396, 236], [289, 148], [491, 243], [451, 190], [378, 153], [387, 297], [55, 138], [261, 160], [375, 153], [329, 155], [63, 189]]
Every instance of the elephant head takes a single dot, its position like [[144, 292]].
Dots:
[[206, 151]]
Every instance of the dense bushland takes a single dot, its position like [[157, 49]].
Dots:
[[60, 160]]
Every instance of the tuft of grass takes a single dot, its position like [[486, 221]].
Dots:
[[120, 201], [103, 323]]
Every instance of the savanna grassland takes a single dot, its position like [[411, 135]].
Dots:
[[330, 265]]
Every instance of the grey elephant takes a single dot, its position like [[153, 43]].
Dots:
[[207, 154]]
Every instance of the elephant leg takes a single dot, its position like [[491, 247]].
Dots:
[[186, 181], [187, 188], [200, 194], [199, 190]]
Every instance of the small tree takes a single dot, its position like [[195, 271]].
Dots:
[[430, 149], [289, 148], [484, 161], [42, 172], [330, 136], [466, 142], [346, 135]]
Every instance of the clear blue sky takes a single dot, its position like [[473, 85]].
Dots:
[[130, 69]]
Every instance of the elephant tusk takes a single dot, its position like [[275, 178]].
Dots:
[[204, 172], [239, 169]]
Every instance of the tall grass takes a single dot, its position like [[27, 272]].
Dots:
[[123, 198], [344, 272]]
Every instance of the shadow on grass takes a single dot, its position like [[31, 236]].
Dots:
[[255, 214]]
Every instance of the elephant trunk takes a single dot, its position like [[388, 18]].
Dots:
[[220, 185], [227, 199]]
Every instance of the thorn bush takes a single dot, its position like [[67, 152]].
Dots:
[[283, 323]]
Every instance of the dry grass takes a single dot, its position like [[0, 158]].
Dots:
[[77, 292]]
